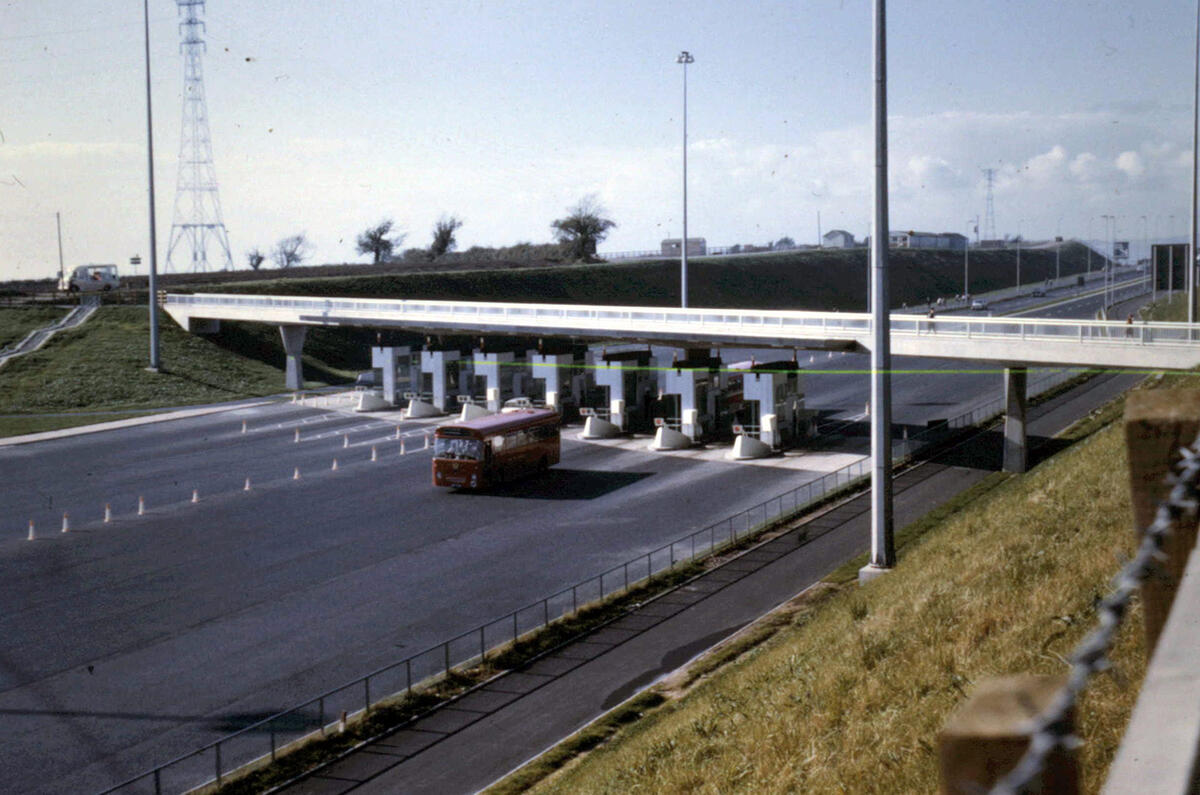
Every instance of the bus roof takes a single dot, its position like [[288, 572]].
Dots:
[[499, 423]]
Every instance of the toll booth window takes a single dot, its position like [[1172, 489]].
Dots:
[[458, 449]]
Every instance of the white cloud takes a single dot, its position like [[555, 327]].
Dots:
[[1131, 164]]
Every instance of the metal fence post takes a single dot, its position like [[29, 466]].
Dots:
[[626, 575], [157, 781], [575, 599], [545, 612], [482, 650], [272, 741], [217, 748], [321, 715], [408, 674], [446, 647], [514, 626], [366, 695]]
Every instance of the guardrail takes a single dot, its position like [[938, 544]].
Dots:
[[320, 714]]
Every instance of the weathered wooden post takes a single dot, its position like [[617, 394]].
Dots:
[[986, 737], [1157, 424]]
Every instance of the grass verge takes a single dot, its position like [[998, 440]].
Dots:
[[100, 365], [851, 684]]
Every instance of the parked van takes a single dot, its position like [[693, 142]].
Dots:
[[91, 278]]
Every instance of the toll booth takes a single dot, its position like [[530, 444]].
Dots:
[[625, 382], [444, 376], [687, 407], [551, 376], [767, 407], [400, 367], [496, 374]]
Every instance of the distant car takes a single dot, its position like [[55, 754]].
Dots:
[[979, 303], [91, 278], [365, 379], [1038, 293]]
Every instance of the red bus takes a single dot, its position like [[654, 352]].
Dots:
[[488, 450]]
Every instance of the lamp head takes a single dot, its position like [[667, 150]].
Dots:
[[684, 57]]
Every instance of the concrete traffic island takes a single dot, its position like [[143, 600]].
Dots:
[[668, 439], [369, 401], [596, 428], [747, 447], [419, 409], [472, 410]]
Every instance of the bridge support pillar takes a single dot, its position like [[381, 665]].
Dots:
[[1016, 447], [293, 346]]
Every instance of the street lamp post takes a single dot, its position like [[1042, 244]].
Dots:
[[1058, 252], [1019, 223], [1107, 260], [153, 280], [684, 58], [967, 262]]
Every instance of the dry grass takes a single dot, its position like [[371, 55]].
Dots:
[[850, 696]]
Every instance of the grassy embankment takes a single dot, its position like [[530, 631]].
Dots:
[[16, 322], [100, 367], [818, 280], [846, 688]]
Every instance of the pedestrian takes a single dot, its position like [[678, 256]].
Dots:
[[1129, 326]]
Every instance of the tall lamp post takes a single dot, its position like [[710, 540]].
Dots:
[[967, 261], [684, 58], [153, 281], [1190, 278], [883, 547], [1020, 221]]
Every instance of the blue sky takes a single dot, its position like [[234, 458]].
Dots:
[[326, 117]]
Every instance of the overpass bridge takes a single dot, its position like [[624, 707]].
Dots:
[[1010, 341], [1015, 343]]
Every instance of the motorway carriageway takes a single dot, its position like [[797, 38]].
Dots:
[[132, 642]]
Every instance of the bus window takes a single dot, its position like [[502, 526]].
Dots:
[[458, 449]]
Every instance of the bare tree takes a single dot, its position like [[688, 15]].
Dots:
[[583, 228], [375, 241], [255, 258], [291, 251], [443, 235]]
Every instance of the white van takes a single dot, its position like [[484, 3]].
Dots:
[[91, 278]]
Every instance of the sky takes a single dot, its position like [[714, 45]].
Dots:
[[328, 117]]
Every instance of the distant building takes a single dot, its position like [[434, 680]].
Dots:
[[936, 240], [837, 238], [696, 247]]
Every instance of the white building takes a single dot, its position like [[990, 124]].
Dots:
[[837, 238]]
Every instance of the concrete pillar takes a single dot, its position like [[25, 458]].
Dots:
[[498, 369], [445, 383], [293, 346], [553, 369], [1016, 446]]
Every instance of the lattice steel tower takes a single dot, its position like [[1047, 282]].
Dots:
[[198, 231], [989, 216]]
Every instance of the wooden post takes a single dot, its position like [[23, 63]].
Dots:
[[1157, 424], [986, 737]]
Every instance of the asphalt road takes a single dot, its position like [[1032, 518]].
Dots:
[[131, 642]]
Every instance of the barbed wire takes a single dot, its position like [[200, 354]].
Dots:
[[1053, 726]]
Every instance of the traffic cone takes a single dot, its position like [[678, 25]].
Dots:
[[107, 513], [195, 496], [297, 439], [243, 426], [247, 486], [66, 522], [141, 506], [345, 441], [334, 464], [30, 530], [296, 474], [373, 456]]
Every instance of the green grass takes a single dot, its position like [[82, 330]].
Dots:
[[19, 425], [17, 321], [101, 365], [853, 687], [818, 279]]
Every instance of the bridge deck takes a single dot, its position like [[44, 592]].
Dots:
[[1033, 341]]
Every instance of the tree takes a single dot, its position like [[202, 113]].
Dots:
[[785, 242], [583, 228], [375, 241], [443, 235], [291, 251], [255, 258]]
